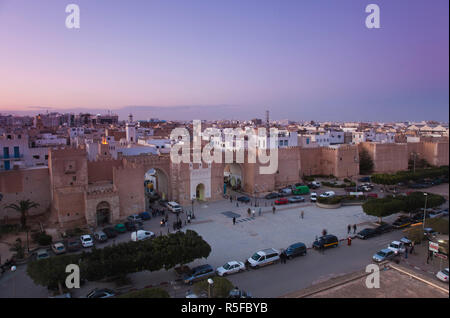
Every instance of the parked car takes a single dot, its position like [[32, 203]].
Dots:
[[58, 248], [328, 194], [100, 236], [141, 235], [443, 275], [296, 199], [272, 195], [42, 254], [418, 186], [313, 196], [299, 190], [364, 179], [286, 191], [101, 293], [372, 195], [326, 241], [120, 228], [384, 228], [134, 218], [294, 250], [428, 231], [73, 244], [145, 216], [367, 233], [86, 240], [174, 207], [383, 255], [397, 246], [406, 241], [316, 184], [263, 258], [281, 201], [312, 186], [244, 199], [199, 273], [230, 268], [110, 232], [236, 293], [437, 214], [403, 222]]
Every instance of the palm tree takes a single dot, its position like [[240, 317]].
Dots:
[[23, 207]]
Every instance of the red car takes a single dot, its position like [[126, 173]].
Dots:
[[281, 201], [372, 195]]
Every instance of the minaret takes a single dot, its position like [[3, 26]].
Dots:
[[131, 130]]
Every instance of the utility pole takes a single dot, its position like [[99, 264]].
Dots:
[[425, 210]]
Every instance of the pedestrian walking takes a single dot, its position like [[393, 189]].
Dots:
[[349, 228], [273, 209], [354, 228], [231, 199], [283, 257], [259, 212], [412, 248], [302, 213], [234, 220], [406, 252], [253, 213]]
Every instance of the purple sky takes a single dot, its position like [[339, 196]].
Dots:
[[300, 59]]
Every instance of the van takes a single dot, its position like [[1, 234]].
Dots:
[[264, 257], [294, 250], [174, 207], [301, 190], [141, 235], [326, 241]]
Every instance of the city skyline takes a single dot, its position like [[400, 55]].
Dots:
[[299, 60]]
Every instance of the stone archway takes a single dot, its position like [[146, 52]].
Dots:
[[156, 185], [103, 213], [200, 192], [233, 176]]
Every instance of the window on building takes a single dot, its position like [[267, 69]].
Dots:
[[36, 157]]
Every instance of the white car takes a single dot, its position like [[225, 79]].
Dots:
[[316, 183], [141, 235], [230, 268], [443, 275], [328, 194], [313, 197], [86, 240], [174, 207], [397, 246]]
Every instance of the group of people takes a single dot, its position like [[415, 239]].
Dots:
[[349, 228]]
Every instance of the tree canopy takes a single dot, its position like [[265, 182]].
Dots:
[[121, 259]]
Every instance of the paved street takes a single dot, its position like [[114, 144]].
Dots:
[[238, 242]]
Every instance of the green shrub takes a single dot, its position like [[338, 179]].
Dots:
[[42, 238], [147, 293], [221, 287]]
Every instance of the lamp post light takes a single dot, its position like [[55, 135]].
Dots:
[[210, 284], [425, 210]]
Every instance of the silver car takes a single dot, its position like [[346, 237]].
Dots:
[[384, 255]]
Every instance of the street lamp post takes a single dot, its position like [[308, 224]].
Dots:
[[193, 216], [425, 210], [210, 284]]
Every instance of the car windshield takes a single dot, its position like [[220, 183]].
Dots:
[[226, 266], [256, 257], [445, 272], [381, 253], [394, 245], [60, 247]]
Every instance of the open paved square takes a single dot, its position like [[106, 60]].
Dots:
[[278, 230]]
